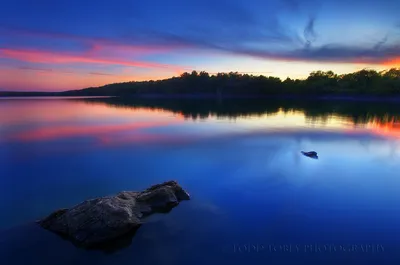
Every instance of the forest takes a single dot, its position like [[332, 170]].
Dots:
[[364, 82]]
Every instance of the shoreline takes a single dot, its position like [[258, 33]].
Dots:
[[212, 96], [295, 97]]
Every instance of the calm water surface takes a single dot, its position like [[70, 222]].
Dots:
[[255, 198]]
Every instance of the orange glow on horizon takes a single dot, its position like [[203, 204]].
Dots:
[[395, 62], [25, 80]]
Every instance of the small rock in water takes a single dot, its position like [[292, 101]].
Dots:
[[311, 154], [101, 220]]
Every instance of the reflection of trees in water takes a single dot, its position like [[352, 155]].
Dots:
[[387, 126], [314, 121], [315, 111]]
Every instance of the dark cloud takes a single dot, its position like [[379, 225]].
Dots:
[[309, 34], [333, 53], [378, 53], [301, 48], [329, 53], [381, 43]]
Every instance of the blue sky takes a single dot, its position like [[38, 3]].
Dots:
[[58, 45]]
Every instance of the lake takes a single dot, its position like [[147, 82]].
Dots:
[[255, 198]]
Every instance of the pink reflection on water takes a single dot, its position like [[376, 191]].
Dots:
[[31, 120], [21, 111], [48, 133]]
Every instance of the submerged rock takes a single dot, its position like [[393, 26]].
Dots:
[[101, 220], [311, 154]]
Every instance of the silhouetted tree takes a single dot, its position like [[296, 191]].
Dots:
[[317, 83]]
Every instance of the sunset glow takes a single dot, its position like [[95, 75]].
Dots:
[[42, 50], [66, 119], [395, 62]]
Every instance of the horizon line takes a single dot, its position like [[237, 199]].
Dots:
[[198, 72]]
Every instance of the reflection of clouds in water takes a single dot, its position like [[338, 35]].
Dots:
[[387, 151], [273, 163], [272, 158]]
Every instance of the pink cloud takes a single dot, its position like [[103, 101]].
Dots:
[[35, 56], [102, 50], [97, 52]]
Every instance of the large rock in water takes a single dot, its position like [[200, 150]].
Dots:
[[98, 221]]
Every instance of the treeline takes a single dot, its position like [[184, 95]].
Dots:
[[364, 82]]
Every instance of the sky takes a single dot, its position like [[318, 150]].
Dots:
[[60, 45]]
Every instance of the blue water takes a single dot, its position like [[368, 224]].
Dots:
[[255, 198]]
